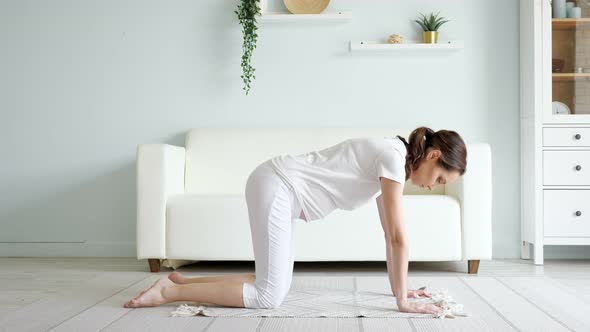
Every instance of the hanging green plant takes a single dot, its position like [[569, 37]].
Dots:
[[247, 12]]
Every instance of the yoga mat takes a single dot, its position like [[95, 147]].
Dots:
[[314, 301]]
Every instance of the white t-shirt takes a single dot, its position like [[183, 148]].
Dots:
[[344, 176]]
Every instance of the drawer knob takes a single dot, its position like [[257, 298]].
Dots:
[[578, 167], [578, 213], [578, 136]]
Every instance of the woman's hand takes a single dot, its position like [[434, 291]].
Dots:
[[415, 307], [415, 293], [418, 292]]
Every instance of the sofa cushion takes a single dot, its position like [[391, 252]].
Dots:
[[216, 227]]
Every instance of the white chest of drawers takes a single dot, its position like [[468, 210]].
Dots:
[[566, 185], [566, 165], [555, 193]]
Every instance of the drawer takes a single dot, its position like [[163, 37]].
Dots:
[[566, 137], [566, 168], [566, 213]]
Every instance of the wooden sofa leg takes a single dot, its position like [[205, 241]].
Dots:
[[154, 265], [473, 266]]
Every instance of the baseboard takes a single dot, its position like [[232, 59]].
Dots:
[[68, 249]]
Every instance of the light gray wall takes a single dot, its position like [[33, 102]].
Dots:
[[84, 82]]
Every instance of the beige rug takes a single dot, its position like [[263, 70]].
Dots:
[[333, 297]]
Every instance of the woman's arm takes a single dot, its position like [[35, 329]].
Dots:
[[389, 254], [388, 250], [391, 216], [389, 204]]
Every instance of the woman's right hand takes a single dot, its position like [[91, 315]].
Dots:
[[415, 307]]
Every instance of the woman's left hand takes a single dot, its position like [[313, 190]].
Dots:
[[414, 293]]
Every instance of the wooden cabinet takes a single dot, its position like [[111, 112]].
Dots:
[[555, 128]]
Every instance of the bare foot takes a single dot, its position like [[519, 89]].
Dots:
[[151, 297], [177, 277], [147, 289]]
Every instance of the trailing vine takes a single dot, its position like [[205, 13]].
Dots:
[[247, 11]]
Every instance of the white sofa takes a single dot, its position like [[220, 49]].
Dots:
[[191, 203]]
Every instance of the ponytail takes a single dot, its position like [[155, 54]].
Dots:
[[453, 150]]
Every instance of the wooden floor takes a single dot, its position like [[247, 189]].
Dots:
[[86, 294]]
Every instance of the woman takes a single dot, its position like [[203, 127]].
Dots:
[[309, 186]]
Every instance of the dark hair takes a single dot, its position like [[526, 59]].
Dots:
[[453, 151]]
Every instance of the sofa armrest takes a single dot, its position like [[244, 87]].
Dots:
[[474, 192], [160, 174]]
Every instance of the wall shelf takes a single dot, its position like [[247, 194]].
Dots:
[[570, 76], [335, 17], [570, 23], [375, 46]]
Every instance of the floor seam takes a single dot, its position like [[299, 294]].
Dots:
[[116, 320], [534, 304], [566, 289], [99, 301], [210, 323], [260, 324], [359, 319], [489, 305], [125, 314]]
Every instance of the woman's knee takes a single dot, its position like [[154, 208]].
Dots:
[[271, 300], [255, 297]]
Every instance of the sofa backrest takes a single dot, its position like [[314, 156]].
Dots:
[[219, 160]]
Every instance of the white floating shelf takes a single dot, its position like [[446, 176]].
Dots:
[[288, 17], [374, 46]]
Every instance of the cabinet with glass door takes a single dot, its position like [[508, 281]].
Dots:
[[566, 48], [555, 126]]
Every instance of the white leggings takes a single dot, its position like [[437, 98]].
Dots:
[[273, 210]]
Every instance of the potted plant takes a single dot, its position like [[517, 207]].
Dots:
[[247, 11], [430, 24]]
